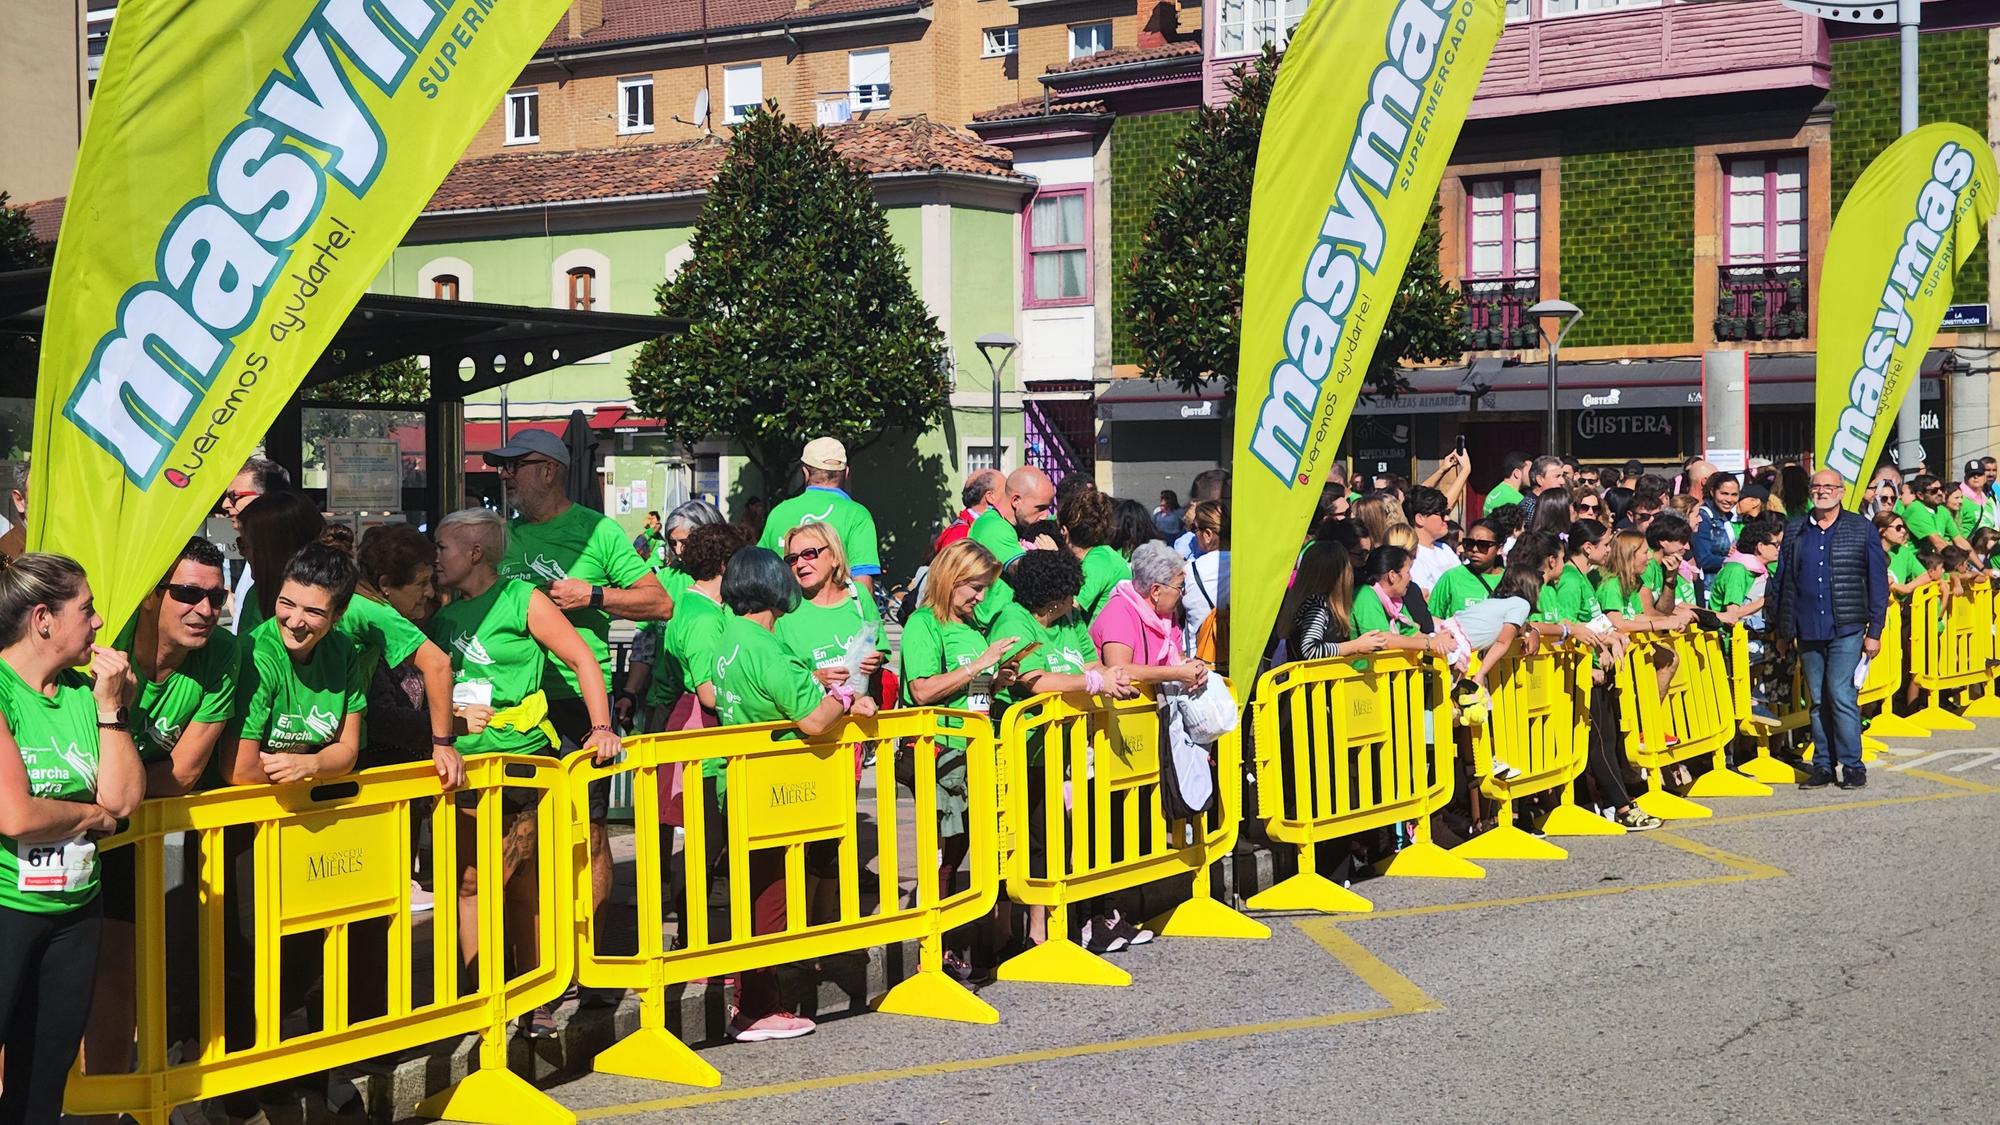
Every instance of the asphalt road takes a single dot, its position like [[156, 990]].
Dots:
[[1811, 956]]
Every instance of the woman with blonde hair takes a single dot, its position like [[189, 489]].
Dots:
[[834, 611], [1374, 515]]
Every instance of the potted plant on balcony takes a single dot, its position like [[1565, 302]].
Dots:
[[1729, 328]]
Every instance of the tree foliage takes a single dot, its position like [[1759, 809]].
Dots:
[[399, 382], [18, 251], [1184, 288], [802, 318]]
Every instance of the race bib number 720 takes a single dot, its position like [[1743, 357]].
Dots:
[[66, 865]]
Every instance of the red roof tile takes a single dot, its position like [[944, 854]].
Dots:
[[45, 216], [1035, 107], [915, 144], [628, 21], [1125, 56]]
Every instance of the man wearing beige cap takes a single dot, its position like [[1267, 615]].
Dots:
[[826, 501]]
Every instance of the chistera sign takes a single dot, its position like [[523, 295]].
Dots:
[[1911, 221], [1369, 101], [247, 169]]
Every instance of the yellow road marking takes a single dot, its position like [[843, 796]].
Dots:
[[1965, 783], [1403, 996]]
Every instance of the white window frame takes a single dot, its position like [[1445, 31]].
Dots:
[[869, 95], [985, 441], [532, 97], [1251, 20], [730, 104], [999, 42], [1077, 30], [628, 89]]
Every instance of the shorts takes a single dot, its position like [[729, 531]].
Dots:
[[572, 722]]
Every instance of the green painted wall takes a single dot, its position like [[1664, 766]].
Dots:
[[983, 283], [1951, 86], [1628, 237], [1141, 146]]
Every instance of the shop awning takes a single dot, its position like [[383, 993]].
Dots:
[[1775, 380], [1144, 400]]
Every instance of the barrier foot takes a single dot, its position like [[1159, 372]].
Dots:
[[1771, 771], [1666, 806], [1425, 860], [1569, 820], [1307, 891], [1871, 750], [1891, 725], [1727, 783], [1062, 961], [652, 1053], [1206, 918], [1508, 842], [933, 995], [1985, 707], [1935, 718], [498, 1096]]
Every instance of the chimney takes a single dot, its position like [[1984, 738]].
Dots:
[[585, 16], [1159, 22]]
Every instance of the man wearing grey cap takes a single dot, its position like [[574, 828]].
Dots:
[[825, 500], [582, 560]]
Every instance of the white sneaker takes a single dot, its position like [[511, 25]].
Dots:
[[1504, 772], [420, 899]]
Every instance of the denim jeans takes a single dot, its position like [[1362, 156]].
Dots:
[[1836, 704]]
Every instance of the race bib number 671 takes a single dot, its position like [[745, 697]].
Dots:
[[66, 865]]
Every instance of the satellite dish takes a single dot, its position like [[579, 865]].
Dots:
[[701, 108]]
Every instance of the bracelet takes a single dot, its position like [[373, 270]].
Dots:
[[443, 741], [595, 727], [597, 597], [1093, 681], [845, 693]]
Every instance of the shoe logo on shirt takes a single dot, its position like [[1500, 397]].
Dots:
[[162, 735], [547, 569], [314, 724], [470, 647], [823, 517], [722, 663]]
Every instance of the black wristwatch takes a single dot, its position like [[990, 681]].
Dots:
[[119, 719], [597, 597], [444, 740]]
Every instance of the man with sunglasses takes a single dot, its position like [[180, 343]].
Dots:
[[1474, 582], [1931, 524], [257, 477], [186, 667], [1429, 516], [582, 560]]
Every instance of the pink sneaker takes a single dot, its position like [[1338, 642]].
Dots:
[[777, 1025]]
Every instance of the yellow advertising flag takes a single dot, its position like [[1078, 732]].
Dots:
[[1911, 220], [247, 169], [1368, 104]]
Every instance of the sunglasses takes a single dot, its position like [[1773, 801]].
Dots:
[[190, 594], [809, 554], [1590, 507], [1481, 544]]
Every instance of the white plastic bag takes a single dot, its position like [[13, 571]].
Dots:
[[1209, 712]]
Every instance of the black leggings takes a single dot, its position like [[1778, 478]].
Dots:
[[48, 969]]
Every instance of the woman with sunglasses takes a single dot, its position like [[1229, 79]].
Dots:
[[1473, 582], [1587, 503], [185, 668], [397, 564], [1906, 571], [833, 612]]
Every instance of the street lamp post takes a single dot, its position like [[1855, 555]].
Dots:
[[1905, 14], [1569, 314], [1004, 345]]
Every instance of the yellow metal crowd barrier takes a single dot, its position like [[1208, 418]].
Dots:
[[784, 793], [307, 868], [1344, 748], [1540, 725], [1791, 709], [1691, 716], [1952, 650], [1082, 778], [1887, 674]]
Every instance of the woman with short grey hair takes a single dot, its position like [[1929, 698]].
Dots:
[[652, 684], [1139, 628]]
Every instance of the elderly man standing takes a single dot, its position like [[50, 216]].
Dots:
[[1828, 596], [981, 489], [825, 500]]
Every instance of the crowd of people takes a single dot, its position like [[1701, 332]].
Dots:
[[492, 635]]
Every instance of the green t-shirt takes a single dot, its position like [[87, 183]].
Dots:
[[1731, 586], [1457, 588], [757, 681], [1103, 569], [691, 636], [819, 635], [379, 633], [1066, 648], [836, 509], [932, 649], [1972, 515], [57, 737], [1370, 615], [295, 708], [1548, 607], [1925, 521], [997, 534], [581, 544], [1575, 600], [489, 643], [250, 614], [1615, 599], [1503, 495], [1904, 566], [201, 690], [667, 686], [1654, 578]]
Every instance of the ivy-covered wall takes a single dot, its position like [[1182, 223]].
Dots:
[[1140, 147], [1628, 239], [1951, 86]]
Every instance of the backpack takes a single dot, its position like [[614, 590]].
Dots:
[[1211, 641]]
